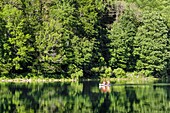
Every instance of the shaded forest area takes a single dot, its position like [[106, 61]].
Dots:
[[84, 38]]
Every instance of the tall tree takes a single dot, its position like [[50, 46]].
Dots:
[[50, 48], [16, 55], [151, 45], [121, 38]]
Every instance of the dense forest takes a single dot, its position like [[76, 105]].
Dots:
[[84, 38]]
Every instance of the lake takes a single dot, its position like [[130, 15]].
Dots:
[[84, 97]]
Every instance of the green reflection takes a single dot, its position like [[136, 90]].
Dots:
[[83, 97]]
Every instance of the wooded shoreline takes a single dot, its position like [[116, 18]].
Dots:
[[84, 38]]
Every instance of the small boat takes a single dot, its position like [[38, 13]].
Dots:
[[104, 84], [101, 86]]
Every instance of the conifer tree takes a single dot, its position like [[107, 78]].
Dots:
[[121, 41], [151, 45]]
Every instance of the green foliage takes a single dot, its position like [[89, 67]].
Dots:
[[166, 14], [50, 47], [77, 33], [108, 72], [16, 48], [121, 38], [74, 72], [84, 38], [145, 73], [103, 71], [119, 73], [150, 45]]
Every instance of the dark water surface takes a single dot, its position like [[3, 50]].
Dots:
[[84, 97]]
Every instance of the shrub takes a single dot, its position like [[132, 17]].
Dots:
[[119, 73]]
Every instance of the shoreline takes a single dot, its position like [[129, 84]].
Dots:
[[32, 80], [48, 80]]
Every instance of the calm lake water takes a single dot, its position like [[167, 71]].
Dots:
[[84, 97]]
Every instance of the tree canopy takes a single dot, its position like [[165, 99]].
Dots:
[[84, 38]]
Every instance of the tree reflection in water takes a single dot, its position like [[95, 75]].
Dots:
[[105, 89], [84, 97], [132, 98]]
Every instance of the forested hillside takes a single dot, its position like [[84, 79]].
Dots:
[[84, 38]]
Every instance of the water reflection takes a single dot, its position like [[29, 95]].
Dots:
[[105, 89], [83, 97], [105, 86], [132, 99]]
